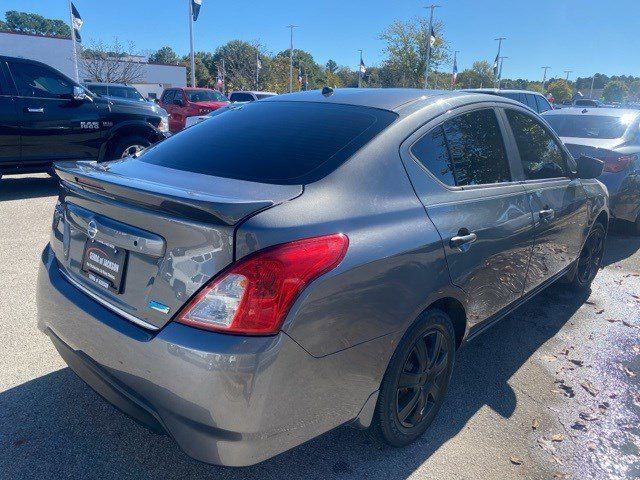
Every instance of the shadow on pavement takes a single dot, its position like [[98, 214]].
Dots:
[[17, 188], [621, 244], [56, 426]]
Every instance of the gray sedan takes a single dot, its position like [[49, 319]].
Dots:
[[311, 260], [612, 135]]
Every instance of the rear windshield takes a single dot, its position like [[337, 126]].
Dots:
[[589, 126], [272, 142], [205, 96]]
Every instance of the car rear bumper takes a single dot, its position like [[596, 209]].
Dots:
[[225, 399], [623, 195]]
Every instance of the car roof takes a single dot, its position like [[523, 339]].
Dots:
[[255, 92], [382, 98], [603, 112], [500, 90]]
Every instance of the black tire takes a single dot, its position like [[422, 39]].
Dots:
[[395, 421], [129, 144], [636, 226], [590, 260]]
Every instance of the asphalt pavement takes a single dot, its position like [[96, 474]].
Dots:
[[550, 392]]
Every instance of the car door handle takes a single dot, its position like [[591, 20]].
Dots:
[[34, 110], [547, 213], [459, 240]]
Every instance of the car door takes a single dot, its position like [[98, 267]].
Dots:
[[556, 197], [9, 127], [54, 126], [481, 213]]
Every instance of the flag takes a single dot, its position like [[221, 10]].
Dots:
[[363, 69], [258, 63], [432, 37], [195, 8], [299, 75], [218, 81], [76, 19], [495, 65], [454, 77]]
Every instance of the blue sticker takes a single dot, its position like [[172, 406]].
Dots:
[[158, 306]]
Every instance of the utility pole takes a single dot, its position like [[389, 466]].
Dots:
[[500, 72], [360, 71], [544, 77], [497, 79], [426, 66], [568, 72], [73, 44], [291, 27], [191, 54], [591, 89]]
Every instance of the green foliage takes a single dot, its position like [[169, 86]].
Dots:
[[165, 55], [331, 66], [480, 75], [615, 91], [634, 90], [36, 24], [560, 89]]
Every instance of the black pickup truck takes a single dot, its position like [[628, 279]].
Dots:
[[45, 117]]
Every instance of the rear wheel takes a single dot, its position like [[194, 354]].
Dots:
[[126, 146], [590, 259], [416, 380]]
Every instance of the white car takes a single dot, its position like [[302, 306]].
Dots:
[[191, 121]]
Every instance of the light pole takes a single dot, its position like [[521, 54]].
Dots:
[[500, 72], [591, 89], [495, 63], [544, 77], [429, 33], [192, 58], [291, 58], [360, 71]]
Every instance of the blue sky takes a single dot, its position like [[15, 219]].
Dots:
[[584, 36]]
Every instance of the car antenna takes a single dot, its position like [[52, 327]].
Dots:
[[327, 91]]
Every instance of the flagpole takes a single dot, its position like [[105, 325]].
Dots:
[[257, 69], [191, 54], [455, 68], [73, 44], [426, 67], [495, 74], [360, 71], [291, 58]]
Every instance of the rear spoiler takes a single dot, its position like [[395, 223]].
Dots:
[[93, 178]]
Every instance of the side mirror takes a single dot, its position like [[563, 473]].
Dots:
[[589, 167], [79, 94]]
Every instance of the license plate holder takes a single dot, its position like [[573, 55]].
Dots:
[[104, 265]]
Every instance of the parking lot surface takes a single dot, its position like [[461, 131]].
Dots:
[[551, 391]]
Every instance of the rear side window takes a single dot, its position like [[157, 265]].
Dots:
[[543, 105], [272, 142], [530, 101], [431, 150], [466, 150], [540, 154]]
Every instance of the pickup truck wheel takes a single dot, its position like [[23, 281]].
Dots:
[[416, 380], [590, 259], [127, 146]]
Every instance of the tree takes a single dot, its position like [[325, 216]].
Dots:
[[478, 76], [314, 74], [634, 90], [239, 64], [615, 91], [331, 66], [165, 55], [203, 76], [406, 49], [36, 24], [113, 64], [560, 89]]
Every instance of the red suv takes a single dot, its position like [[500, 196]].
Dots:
[[184, 102]]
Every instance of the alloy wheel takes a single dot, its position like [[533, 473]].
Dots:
[[422, 378], [132, 150], [591, 256]]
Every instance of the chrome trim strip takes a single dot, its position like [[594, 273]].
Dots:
[[104, 303]]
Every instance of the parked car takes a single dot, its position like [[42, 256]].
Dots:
[[587, 102], [248, 96], [188, 102], [534, 100], [115, 90], [311, 260], [612, 135], [45, 116]]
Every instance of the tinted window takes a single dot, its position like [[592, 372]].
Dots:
[[540, 154], [241, 97], [590, 126], [168, 96], [432, 152], [530, 101], [543, 105], [40, 82], [272, 142], [476, 148], [260, 96], [518, 97]]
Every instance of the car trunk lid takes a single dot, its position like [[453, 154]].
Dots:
[[142, 238]]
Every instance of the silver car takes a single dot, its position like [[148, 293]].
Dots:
[[613, 136], [311, 260]]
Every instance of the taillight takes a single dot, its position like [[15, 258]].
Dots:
[[615, 165], [253, 296]]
